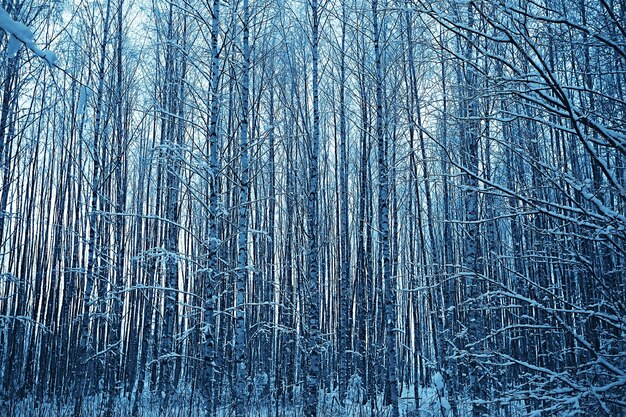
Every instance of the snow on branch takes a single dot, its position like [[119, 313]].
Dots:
[[20, 34]]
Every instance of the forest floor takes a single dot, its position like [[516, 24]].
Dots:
[[185, 405]]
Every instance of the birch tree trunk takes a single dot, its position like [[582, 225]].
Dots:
[[115, 345], [383, 224], [470, 142], [87, 343], [344, 328], [241, 388], [210, 287], [312, 266]]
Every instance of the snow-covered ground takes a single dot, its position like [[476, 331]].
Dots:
[[189, 405]]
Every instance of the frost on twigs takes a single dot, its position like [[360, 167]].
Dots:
[[20, 34]]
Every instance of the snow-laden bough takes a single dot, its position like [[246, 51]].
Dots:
[[20, 34]]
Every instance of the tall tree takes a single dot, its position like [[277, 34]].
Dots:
[[312, 264], [390, 316], [241, 389]]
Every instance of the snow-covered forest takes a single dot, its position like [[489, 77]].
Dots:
[[313, 208]]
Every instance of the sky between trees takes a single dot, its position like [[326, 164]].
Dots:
[[313, 208]]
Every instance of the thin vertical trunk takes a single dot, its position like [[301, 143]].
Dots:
[[86, 345], [313, 359], [120, 240], [241, 388], [363, 261], [273, 277], [210, 289], [10, 78], [175, 68], [383, 225], [344, 327], [470, 141]]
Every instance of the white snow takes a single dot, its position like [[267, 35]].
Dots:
[[83, 95], [439, 386], [13, 47], [438, 381], [20, 34], [17, 29]]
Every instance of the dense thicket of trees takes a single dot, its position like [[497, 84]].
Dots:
[[347, 206]]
